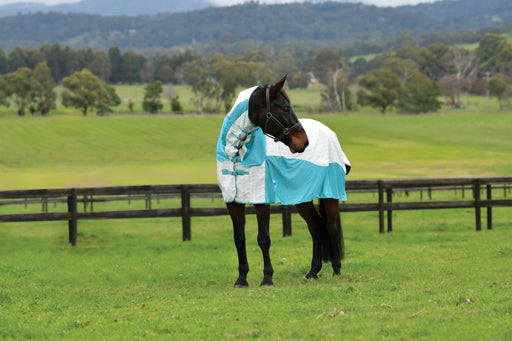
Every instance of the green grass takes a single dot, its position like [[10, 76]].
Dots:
[[432, 278], [74, 151]]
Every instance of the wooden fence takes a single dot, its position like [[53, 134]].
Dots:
[[81, 203]]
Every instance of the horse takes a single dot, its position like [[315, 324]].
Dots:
[[262, 150]]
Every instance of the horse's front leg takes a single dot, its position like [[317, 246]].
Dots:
[[237, 213], [263, 217], [309, 213]]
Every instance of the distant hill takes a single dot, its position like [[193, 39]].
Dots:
[[250, 21], [108, 7]]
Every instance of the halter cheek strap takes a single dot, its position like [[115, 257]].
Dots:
[[270, 117]]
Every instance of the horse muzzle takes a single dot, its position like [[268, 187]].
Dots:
[[298, 142]]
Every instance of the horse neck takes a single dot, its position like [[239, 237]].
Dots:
[[257, 107]]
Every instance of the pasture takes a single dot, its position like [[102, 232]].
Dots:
[[76, 151], [433, 278]]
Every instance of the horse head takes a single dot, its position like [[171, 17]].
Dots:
[[271, 110]]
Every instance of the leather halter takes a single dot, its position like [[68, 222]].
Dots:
[[285, 131]]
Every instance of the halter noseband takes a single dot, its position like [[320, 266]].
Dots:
[[270, 117]]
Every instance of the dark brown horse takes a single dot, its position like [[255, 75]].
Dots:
[[269, 108]]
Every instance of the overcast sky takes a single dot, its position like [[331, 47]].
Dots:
[[231, 2], [373, 2]]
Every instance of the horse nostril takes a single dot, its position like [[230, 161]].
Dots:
[[306, 144]]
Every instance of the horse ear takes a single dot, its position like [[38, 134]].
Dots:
[[278, 87]]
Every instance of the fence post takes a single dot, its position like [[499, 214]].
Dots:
[[45, 204], [381, 206], [72, 222], [389, 199], [478, 213], [489, 208], [185, 212], [287, 220]]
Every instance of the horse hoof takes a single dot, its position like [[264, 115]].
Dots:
[[266, 283], [312, 275], [240, 284]]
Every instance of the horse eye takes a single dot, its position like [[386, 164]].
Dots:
[[286, 108]]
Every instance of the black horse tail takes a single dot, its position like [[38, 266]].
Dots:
[[333, 246]]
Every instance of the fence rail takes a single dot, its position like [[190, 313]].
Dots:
[[384, 190]]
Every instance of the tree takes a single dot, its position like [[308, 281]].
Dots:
[[56, 60], [83, 91], [101, 66], [498, 86], [227, 74], [431, 65], [114, 54], [4, 92], [43, 95], [152, 97], [32, 58], [488, 50], [20, 88], [147, 72], [338, 96], [447, 86], [405, 69], [329, 99], [326, 62], [504, 61], [162, 66], [420, 94], [360, 66], [3, 62], [330, 69], [165, 74], [380, 88], [285, 64], [196, 74], [16, 59], [131, 65], [299, 80], [83, 59], [460, 64], [108, 99]]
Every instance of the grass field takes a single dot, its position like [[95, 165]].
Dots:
[[433, 278], [93, 151]]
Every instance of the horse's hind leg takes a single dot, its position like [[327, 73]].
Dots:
[[263, 217], [237, 213], [309, 213], [330, 211]]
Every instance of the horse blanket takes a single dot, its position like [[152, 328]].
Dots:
[[253, 169]]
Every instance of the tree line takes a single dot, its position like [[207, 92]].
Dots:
[[255, 21], [410, 79]]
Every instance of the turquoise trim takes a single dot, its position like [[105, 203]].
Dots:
[[256, 149], [255, 145], [292, 181], [229, 121]]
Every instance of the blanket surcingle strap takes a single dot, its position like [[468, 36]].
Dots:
[[236, 172]]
